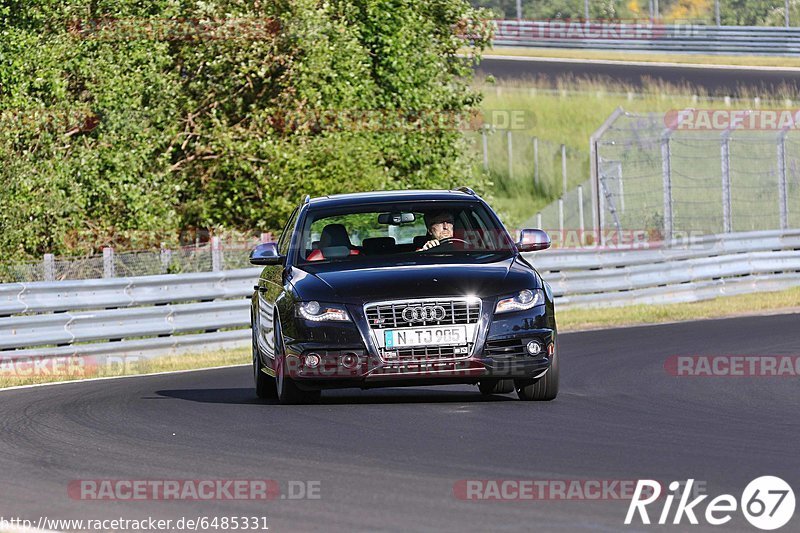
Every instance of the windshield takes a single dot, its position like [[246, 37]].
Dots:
[[361, 233]]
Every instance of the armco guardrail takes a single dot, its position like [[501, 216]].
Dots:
[[710, 267], [143, 315], [647, 36], [169, 313]]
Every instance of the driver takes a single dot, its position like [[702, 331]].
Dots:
[[440, 227]]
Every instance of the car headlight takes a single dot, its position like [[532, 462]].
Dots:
[[319, 312], [523, 300]]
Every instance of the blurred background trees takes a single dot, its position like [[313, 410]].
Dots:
[[124, 122]]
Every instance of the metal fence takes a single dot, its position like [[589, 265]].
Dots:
[[212, 256], [650, 173], [154, 315], [528, 165], [647, 36]]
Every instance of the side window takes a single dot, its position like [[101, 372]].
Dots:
[[480, 235], [286, 236]]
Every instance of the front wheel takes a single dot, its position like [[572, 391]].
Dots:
[[265, 385], [542, 389]]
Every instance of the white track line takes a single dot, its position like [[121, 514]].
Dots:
[[639, 63], [52, 383]]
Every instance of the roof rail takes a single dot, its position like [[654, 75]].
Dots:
[[466, 190], [307, 199]]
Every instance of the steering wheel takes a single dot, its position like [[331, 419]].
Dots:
[[451, 242]]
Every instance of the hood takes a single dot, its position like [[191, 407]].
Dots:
[[387, 282]]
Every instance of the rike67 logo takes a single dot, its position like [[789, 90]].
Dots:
[[767, 503]]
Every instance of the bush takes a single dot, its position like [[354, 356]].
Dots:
[[117, 131]]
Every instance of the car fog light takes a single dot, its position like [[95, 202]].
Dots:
[[312, 360], [534, 348], [349, 360]]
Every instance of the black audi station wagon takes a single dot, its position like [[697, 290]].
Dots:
[[401, 288]]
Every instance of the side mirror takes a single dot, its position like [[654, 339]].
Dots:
[[266, 254], [533, 240]]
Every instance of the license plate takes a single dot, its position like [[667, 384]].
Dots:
[[433, 336]]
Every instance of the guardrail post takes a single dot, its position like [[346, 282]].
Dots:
[[564, 167], [166, 258], [485, 149], [726, 182], [510, 154], [561, 218], [716, 12], [581, 222], [782, 191], [666, 170], [536, 161], [109, 268], [216, 255], [786, 12], [539, 220], [49, 267]]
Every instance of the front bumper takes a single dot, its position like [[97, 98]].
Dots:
[[349, 357]]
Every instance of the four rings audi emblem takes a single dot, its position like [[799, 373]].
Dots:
[[426, 313]]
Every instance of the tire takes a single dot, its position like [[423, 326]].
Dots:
[[543, 389], [287, 391], [496, 386], [265, 385]]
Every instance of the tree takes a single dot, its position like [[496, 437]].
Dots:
[[221, 113]]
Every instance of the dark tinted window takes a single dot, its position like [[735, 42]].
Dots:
[[359, 233]]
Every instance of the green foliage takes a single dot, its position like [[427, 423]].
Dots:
[[115, 131], [745, 12]]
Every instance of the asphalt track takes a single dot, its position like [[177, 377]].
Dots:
[[715, 81], [388, 459]]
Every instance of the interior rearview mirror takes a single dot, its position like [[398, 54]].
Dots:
[[396, 219]]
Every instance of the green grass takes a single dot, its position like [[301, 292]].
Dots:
[[692, 59], [728, 306], [138, 366]]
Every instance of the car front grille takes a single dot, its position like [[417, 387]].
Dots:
[[390, 314]]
